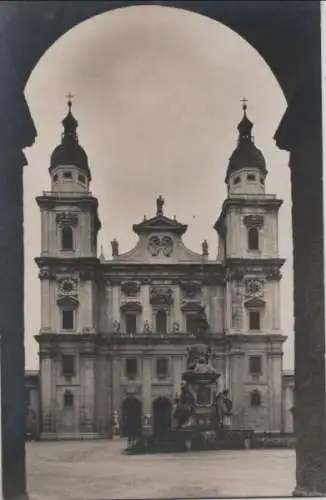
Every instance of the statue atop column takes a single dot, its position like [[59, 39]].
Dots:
[[159, 205]]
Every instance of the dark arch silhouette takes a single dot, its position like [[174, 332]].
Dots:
[[131, 417], [162, 410], [27, 32]]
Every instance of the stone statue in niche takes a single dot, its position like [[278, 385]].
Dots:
[[115, 247], [116, 326], [204, 247], [147, 328]]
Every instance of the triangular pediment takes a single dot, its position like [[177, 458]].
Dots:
[[160, 223], [67, 301], [255, 302]]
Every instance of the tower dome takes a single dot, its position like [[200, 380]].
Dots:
[[69, 153], [246, 170]]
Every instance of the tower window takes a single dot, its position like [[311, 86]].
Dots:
[[254, 320], [251, 177], [161, 322], [67, 175], [255, 398], [68, 365], [68, 399], [131, 323], [131, 368], [253, 239], [237, 180], [55, 177], [67, 240], [161, 368], [81, 178], [67, 319], [255, 365]]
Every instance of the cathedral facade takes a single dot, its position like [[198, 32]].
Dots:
[[114, 332]]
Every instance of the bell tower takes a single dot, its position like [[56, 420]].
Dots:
[[248, 248], [68, 266]]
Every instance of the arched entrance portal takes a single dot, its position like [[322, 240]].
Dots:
[[162, 409], [131, 417]]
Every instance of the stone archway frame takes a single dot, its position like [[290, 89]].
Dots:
[[287, 35]]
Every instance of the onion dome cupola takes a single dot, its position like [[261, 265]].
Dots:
[[69, 167], [246, 172]]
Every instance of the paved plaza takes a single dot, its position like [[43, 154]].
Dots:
[[99, 470]]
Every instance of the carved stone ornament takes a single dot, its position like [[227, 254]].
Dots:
[[67, 219], [191, 288], [67, 287], [130, 306], [46, 274], [86, 274], [255, 302], [234, 274], [254, 288], [130, 288], [191, 306], [274, 273], [158, 245], [70, 302], [161, 296], [253, 221]]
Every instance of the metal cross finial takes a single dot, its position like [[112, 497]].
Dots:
[[244, 103], [69, 97]]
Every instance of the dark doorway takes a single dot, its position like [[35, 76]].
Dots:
[[161, 322], [162, 410], [131, 417]]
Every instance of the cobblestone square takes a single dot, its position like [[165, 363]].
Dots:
[[99, 470]]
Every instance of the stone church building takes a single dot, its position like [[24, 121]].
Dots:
[[114, 332]]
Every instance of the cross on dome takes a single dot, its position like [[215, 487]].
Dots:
[[244, 104], [69, 97]]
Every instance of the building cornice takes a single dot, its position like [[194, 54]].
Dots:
[[272, 338], [269, 202]]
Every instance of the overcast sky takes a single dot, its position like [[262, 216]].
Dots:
[[157, 97]]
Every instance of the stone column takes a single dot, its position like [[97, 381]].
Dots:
[[300, 133], [45, 304], [237, 376], [12, 300], [177, 369], [115, 303], [176, 311], [87, 418], [116, 384], [147, 309], [147, 385]]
